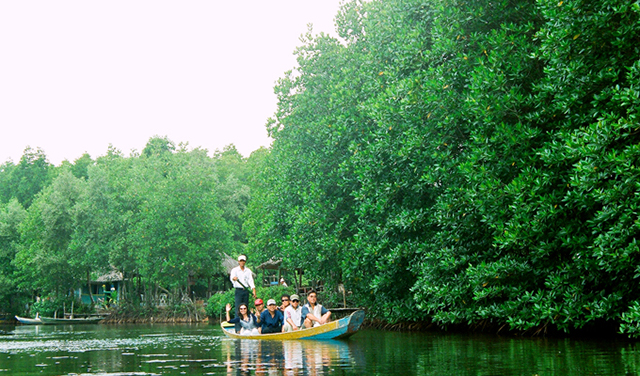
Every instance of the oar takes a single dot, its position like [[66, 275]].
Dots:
[[242, 284]]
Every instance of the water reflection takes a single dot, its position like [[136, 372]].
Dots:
[[244, 357], [203, 350]]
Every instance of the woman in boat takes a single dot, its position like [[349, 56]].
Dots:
[[285, 300], [247, 320]]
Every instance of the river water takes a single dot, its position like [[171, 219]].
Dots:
[[201, 349]]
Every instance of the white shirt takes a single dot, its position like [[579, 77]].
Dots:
[[316, 311], [245, 276], [294, 314]]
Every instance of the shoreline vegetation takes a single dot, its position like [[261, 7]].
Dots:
[[604, 331], [200, 314], [462, 164], [160, 317]]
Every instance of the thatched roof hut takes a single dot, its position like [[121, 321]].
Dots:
[[270, 265], [228, 263], [113, 276]]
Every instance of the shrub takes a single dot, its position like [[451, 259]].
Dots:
[[217, 302], [631, 321], [49, 306]]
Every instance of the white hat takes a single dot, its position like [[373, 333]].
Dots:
[[270, 302], [242, 257]]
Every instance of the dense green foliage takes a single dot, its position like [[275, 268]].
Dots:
[[163, 218], [464, 162]]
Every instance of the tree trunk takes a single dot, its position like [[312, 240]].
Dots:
[[295, 279], [89, 287], [124, 289], [188, 286], [139, 288]]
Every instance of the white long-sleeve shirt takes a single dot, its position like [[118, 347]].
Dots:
[[245, 276]]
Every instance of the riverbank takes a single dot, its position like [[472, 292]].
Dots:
[[399, 326], [596, 330], [185, 315]]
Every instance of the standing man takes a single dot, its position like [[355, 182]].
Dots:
[[242, 279]]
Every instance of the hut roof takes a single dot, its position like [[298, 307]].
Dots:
[[113, 276], [271, 265], [228, 263]]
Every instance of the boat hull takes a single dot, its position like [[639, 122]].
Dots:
[[54, 321], [342, 328], [28, 321]]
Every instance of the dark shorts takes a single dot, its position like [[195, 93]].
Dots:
[[271, 329], [242, 296]]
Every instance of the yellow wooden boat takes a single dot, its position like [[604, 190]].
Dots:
[[342, 328]]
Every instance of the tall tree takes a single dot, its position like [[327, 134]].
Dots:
[[81, 165], [6, 188], [157, 146], [30, 176], [44, 259], [233, 192], [12, 215]]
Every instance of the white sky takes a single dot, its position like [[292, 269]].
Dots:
[[77, 75]]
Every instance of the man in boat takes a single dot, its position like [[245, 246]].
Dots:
[[271, 320], [259, 308], [242, 279], [314, 314], [293, 315], [284, 299]]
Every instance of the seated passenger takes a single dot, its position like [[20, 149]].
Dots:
[[259, 308], [271, 320], [293, 315], [248, 321], [285, 302], [314, 314]]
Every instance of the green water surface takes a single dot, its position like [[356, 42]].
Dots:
[[201, 349]]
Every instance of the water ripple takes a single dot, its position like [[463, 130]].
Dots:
[[56, 345]]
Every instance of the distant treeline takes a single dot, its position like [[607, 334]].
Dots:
[[162, 217], [466, 162]]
